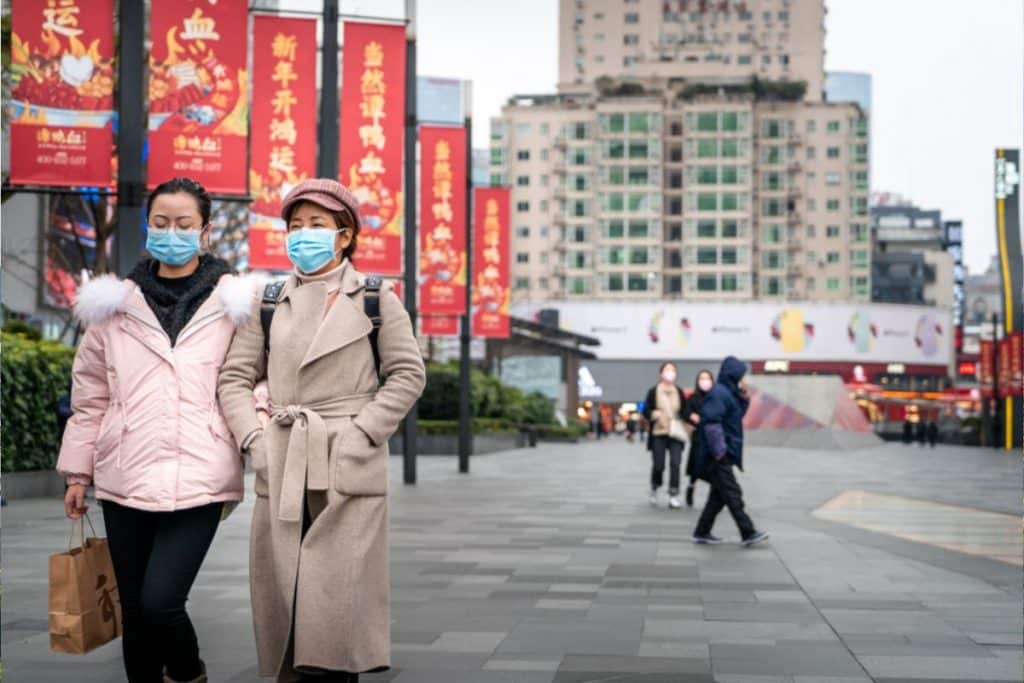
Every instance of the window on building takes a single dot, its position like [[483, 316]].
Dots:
[[730, 148], [833, 126], [743, 59], [833, 152], [772, 128], [810, 232], [860, 285], [729, 282], [580, 208], [638, 229], [832, 205], [674, 284], [811, 284], [615, 149], [616, 255], [581, 183], [637, 150], [675, 180], [637, 283], [580, 156], [812, 204], [772, 181], [523, 155], [832, 284], [811, 153], [522, 257], [523, 232], [638, 201], [522, 207], [675, 206], [675, 232], [832, 257], [773, 286], [772, 207], [522, 283], [730, 121], [707, 256], [638, 256], [544, 205], [615, 229], [614, 201], [833, 178], [707, 121], [614, 123], [772, 233], [771, 259], [631, 39], [707, 175], [579, 285], [707, 228], [859, 180], [859, 206], [579, 234], [544, 180], [579, 131], [639, 123], [522, 130], [730, 175], [578, 260], [497, 179], [707, 283], [812, 125], [730, 201], [729, 256], [707, 201], [766, 59], [859, 258], [632, 18], [523, 181], [771, 154], [859, 232], [784, 60], [545, 155], [638, 175], [615, 282], [832, 231]]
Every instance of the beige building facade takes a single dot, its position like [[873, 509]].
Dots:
[[665, 185]]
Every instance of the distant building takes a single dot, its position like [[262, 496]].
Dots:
[[910, 263], [984, 295]]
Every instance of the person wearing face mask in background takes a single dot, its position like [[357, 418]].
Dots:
[[694, 403], [319, 553], [146, 430], [664, 409]]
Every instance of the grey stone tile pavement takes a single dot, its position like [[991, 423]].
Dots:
[[549, 566]]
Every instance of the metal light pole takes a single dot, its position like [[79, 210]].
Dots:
[[327, 142], [409, 431], [465, 382], [996, 436], [131, 133]]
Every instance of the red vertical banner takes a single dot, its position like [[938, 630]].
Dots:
[[442, 220], [199, 93], [284, 107], [491, 262], [371, 139], [439, 325], [62, 92], [1017, 361], [987, 362]]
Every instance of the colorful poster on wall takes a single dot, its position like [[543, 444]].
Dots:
[[198, 93], [284, 111], [61, 105], [70, 244], [439, 325], [442, 220], [491, 262], [371, 139]]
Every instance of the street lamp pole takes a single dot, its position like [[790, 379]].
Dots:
[[409, 427], [465, 375]]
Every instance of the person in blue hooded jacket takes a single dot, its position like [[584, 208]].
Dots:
[[721, 424]]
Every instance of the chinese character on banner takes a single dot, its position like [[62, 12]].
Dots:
[[62, 92], [987, 356], [442, 220], [439, 325], [491, 262], [371, 139], [284, 142], [199, 93]]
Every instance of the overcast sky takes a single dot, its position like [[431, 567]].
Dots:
[[948, 80]]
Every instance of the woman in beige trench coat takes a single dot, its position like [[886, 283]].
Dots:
[[319, 549]]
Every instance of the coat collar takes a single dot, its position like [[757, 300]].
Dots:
[[351, 282]]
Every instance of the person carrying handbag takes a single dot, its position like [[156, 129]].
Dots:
[[664, 410]]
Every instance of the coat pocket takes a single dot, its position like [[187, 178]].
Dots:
[[219, 426], [107, 446], [360, 468]]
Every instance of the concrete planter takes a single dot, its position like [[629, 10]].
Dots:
[[34, 484], [448, 444]]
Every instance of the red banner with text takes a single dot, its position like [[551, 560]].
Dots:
[[284, 110], [439, 325], [198, 93], [1010, 350], [491, 262], [987, 361], [371, 139], [62, 92], [442, 220]]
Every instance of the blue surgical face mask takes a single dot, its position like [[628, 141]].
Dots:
[[173, 247], [310, 249]]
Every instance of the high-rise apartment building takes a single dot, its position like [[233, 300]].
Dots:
[[714, 179]]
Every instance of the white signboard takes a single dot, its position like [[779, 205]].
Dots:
[[756, 331]]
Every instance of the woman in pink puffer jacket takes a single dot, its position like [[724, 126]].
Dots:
[[147, 431]]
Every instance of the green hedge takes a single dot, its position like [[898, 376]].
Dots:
[[35, 374], [479, 426], [489, 398]]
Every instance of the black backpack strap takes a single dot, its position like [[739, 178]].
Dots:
[[371, 307], [271, 293]]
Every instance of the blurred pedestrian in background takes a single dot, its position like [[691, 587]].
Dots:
[[694, 404], [665, 409]]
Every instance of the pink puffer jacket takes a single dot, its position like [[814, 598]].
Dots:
[[147, 429]]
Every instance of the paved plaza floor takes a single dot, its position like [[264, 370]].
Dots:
[[549, 566]]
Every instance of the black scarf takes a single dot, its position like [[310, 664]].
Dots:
[[173, 311]]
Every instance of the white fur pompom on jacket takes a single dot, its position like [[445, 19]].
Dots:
[[146, 428]]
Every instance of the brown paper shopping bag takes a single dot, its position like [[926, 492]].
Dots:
[[85, 609]]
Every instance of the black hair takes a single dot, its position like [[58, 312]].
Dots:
[[188, 186], [665, 365], [343, 219]]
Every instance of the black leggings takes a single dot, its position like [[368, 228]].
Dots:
[[675, 454], [156, 558]]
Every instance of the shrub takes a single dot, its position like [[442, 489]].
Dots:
[[34, 375], [489, 399]]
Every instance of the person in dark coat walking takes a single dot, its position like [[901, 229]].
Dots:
[[922, 433], [933, 433], [665, 404], [705, 380], [908, 432], [721, 423]]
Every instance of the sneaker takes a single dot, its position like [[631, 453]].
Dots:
[[653, 497], [689, 496], [759, 537], [673, 503], [707, 539]]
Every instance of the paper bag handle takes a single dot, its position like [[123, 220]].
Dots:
[[80, 524]]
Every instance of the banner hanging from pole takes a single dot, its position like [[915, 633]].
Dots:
[[284, 141], [442, 220], [198, 93], [371, 138], [491, 263], [62, 93], [439, 325]]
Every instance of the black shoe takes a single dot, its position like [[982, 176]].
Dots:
[[708, 539], [689, 496], [759, 537]]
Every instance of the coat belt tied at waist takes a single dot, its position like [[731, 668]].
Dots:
[[306, 461]]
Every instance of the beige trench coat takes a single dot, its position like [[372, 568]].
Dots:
[[325, 447]]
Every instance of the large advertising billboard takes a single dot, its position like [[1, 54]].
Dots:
[[711, 331]]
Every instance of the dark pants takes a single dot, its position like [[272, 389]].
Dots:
[[675, 453], [156, 558], [725, 492]]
